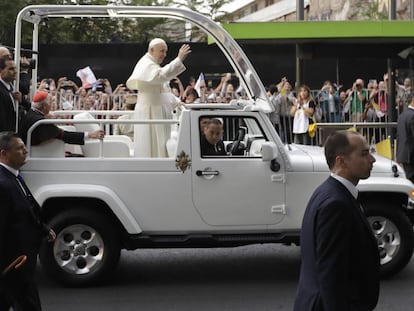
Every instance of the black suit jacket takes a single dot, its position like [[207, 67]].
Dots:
[[45, 132], [21, 227], [340, 259], [7, 112], [405, 132], [211, 150]]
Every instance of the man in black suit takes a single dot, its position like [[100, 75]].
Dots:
[[405, 139], [340, 258], [8, 96], [212, 138], [45, 132], [25, 76], [21, 228]]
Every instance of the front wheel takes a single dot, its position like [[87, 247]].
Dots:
[[395, 237], [85, 251]]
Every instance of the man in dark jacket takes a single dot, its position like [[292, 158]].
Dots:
[[21, 228], [405, 139], [340, 258], [212, 138], [10, 99], [45, 132]]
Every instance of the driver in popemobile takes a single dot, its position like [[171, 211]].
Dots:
[[212, 138]]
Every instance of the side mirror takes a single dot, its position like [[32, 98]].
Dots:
[[269, 151]]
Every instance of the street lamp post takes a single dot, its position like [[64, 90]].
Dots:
[[300, 16], [392, 112]]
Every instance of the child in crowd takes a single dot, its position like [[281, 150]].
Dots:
[[212, 138]]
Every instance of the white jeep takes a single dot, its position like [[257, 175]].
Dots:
[[257, 193]]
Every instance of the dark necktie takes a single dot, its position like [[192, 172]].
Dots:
[[359, 203], [22, 185], [11, 95], [25, 190], [362, 213], [33, 203]]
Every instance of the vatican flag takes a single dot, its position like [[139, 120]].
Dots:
[[384, 148]]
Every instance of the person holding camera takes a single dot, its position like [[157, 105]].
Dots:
[[359, 97], [64, 83], [47, 85], [302, 112], [24, 83]]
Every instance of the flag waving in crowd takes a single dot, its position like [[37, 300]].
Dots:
[[87, 77], [200, 84]]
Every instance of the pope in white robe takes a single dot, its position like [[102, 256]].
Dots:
[[155, 99]]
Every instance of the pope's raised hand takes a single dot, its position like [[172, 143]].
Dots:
[[184, 51]]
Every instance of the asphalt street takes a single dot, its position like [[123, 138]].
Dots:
[[257, 277]]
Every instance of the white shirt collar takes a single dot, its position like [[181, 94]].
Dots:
[[7, 85], [35, 109], [348, 185], [10, 169]]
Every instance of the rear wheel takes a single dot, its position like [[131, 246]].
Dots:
[[394, 233], [85, 251]]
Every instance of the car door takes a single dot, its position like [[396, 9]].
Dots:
[[236, 189]]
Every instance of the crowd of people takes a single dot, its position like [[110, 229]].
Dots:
[[292, 115], [68, 95], [333, 104], [330, 104]]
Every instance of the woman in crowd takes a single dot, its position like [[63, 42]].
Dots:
[[302, 112]]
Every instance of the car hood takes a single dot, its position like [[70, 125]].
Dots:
[[312, 158]]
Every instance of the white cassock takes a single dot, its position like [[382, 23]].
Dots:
[[155, 101]]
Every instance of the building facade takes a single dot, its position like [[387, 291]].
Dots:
[[318, 10]]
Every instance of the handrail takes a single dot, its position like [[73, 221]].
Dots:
[[358, 125], [92, 112], [93, 121]]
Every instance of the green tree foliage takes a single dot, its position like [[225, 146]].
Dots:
[[210, 8], [100, 30], [215, 9], [8, 14], [370, 11]]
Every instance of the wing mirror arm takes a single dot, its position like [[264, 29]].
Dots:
[[270, 153]]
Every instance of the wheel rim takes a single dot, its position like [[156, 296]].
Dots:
[[388, 237], [79, 249]]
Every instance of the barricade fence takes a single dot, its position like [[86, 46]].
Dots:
[[329, 109], [375, 128]]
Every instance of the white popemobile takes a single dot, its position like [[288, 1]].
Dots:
[[109, 200]]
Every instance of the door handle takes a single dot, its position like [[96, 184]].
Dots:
[[207, 173]]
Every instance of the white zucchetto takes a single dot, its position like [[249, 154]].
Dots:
[[155, 42]]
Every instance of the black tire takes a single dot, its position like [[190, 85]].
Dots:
[[86, 249], [394, 233]]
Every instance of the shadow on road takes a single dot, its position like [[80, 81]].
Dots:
[[254, 263]]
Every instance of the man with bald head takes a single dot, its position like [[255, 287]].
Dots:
[[155, 100], [4, 51], [340, 257]]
